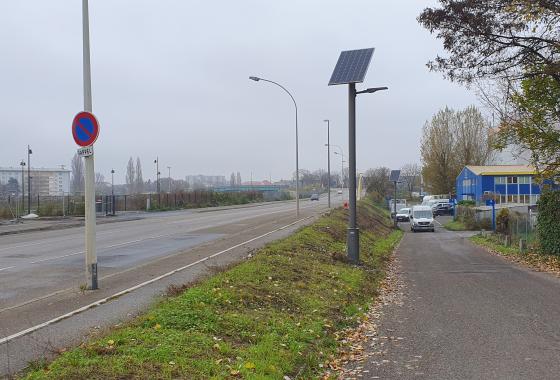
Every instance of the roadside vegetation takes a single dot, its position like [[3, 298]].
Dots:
[[455, 225], [275, 315], [538, 249], [530, 257]]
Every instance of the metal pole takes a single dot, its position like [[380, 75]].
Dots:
[[28, 180], [297, 164], [353, 238], [329, 159], [22, 163], [113, 191], [297, 149], [395, 206], [169, 169], [91, 254]]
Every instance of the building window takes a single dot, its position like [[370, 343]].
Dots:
[[512, 198], [525, 180], [511, 180], [500, 180]]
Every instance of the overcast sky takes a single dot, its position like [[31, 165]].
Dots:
[[170, 79]]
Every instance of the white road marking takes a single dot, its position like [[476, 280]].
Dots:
[[1, 269], [125, 291]]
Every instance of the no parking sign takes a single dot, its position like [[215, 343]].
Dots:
[[85, 128]]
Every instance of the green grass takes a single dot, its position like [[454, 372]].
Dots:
[[273, 315], [492, 242], [531, 258], [455, 225]]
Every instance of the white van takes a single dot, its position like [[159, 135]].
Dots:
[[422, 219]]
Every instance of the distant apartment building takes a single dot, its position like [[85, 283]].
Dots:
[[200, 180], [44, 181]]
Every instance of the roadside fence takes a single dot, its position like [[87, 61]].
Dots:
[[74, 205]]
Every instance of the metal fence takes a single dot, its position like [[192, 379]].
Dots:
[[74, 205]]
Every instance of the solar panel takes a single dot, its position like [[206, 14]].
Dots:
[[351, 67], [395, 174]]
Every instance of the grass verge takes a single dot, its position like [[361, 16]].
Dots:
[[455, 225], [274, 315], [537, 261]]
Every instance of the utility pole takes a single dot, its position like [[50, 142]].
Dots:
[[28, 180], [329, 159], [91, 254]]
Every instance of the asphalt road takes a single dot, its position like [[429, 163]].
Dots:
[[462, 313], [41, 272]]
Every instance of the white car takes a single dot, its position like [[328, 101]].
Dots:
[[403, 215], [339, 191], [422, 219]]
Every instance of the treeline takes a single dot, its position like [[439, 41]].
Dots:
[[510, 52]]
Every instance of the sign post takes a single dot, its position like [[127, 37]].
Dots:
[[85, 130]]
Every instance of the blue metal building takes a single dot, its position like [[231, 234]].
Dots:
[[509, 184]]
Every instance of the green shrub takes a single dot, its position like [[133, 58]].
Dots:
[[467, 203], [548, 222], [502, 221]]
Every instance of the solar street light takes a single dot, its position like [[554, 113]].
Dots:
[[351, 68]]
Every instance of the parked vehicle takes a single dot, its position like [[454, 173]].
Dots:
[[314, 197], [403, 215], [422, 219], [443, 209], [401, 203], [339, 192]]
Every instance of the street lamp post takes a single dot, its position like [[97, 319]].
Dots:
[[353, 231], [169, 179], [329, 158], [156, 161], [341, 154], [29, 180], [113, 191], [256, 79], [22, 163]]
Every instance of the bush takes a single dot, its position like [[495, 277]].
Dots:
[[548, 222], [467, 203], [502, 221]]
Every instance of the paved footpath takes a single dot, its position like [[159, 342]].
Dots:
[[462, 313]]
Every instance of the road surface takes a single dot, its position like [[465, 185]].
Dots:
[[465, 314], [41, 272]]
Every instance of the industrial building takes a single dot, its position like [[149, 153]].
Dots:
[[506, 184]]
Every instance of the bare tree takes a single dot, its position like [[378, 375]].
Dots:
[[139, 187], [472, 138], [238, 179], [450, 141], [130, 177], [377, 181], [100, 184], [411, 173], [77, 184], [440, 166]]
